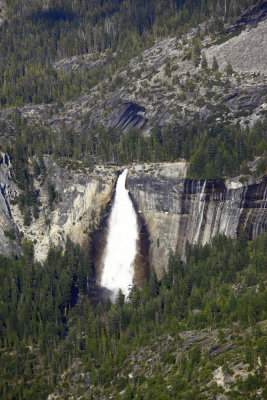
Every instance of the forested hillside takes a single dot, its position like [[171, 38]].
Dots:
[[82, 95], [54, 340], [37, 33], [90, 86]]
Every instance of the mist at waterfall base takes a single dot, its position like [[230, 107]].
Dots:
[[121, 248]]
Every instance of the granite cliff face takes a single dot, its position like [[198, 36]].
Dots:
[[81, 199], [172, 209], [177, 210]]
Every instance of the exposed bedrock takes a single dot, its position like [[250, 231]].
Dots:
[[129, 114], [177, 210], [82, 197], [171, 210], [9, 242]]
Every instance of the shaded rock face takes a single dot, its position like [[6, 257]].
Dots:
[[177, 210], [129, 114], [253, 97], [8, 192], [141, 262], [257, 14]]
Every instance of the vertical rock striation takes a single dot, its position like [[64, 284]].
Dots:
[[177, 210], [172, 210]]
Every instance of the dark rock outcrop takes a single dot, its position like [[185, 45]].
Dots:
[[129, 114], [253, 16]]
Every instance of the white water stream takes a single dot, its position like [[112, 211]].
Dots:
[[121, 248], [200, 214]]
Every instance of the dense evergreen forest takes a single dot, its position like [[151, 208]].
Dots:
[[52, 316], [213, 150], [44, 328], [35, 34]]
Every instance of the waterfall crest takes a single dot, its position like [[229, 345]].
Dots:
[[121, 248]]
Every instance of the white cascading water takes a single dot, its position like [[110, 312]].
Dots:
[[121, 248], [201, 206]]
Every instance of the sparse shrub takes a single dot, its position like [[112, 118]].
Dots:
[[204, 63], [229, 69], [10, 234], [215, 65]]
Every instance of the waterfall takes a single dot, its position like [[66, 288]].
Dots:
[[121, 248], [200, 212]]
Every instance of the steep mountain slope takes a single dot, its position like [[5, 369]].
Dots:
[[37, 34], [166, 84], [175, 90], [176, 81]]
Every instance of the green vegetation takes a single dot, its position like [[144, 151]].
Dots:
[[10, 234], [36, 34], [213, 148], [224, 38], [44, 331], [229, 69], [56, 332], [34, 303], [215, 65]]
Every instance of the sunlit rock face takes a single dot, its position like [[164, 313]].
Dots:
[[121, 247], [177, 210], [82, 197], [170, 209]]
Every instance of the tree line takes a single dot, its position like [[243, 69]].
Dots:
[[213, 149], [34, 35], [43, 328]]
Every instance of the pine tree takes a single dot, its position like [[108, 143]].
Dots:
[[196, 54], [167, 69], [204, 63], [27, 216], [36, 169], [215, 65], [229, 69], [120, 298]]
